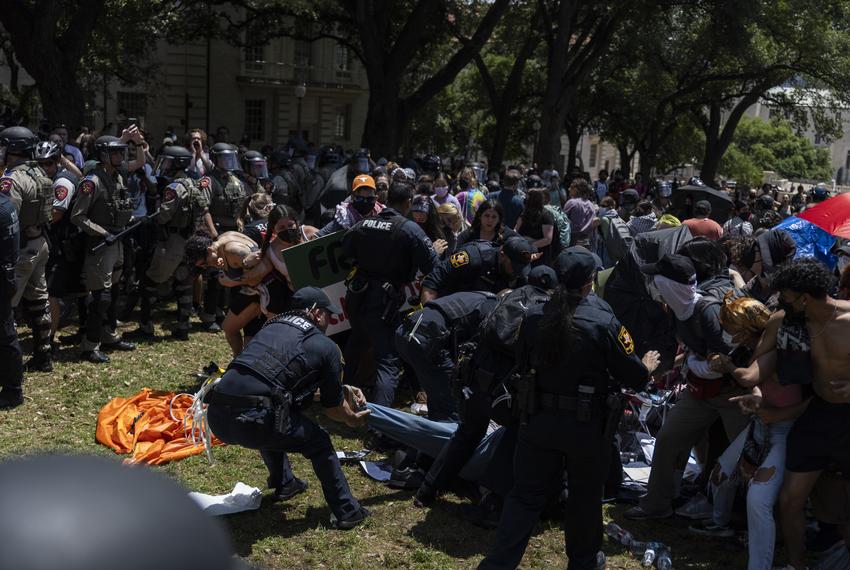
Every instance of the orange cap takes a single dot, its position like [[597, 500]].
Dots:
[[363, 180]]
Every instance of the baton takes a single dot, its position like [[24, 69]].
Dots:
[[127, 230]]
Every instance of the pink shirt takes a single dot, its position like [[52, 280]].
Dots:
[[706, 228], [778, 396]]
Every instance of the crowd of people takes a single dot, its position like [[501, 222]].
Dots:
[[517, 323]]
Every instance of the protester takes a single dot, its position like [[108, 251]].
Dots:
[[701, 224]]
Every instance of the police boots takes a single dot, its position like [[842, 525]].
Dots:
[[40, 362]]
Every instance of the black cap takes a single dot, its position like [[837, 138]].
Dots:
[[519, 250], [765, 201], [673, 266], [575, 267], [702, 207], [543, 276], [312, 298]]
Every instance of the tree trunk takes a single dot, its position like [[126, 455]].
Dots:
[[383, 132], [62, 98], [553, 114], [496, 155], [573, 136], [625, 160], [717, 139]]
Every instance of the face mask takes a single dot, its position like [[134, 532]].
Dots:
[[790, 313], [290, 235], [441, 191], [363, 204], [745, 216]]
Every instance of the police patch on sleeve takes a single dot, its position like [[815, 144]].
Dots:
[[169, 194], [459, 259], [60, 192], [6, 185], [625, 340], [87, 186], [204, 182]]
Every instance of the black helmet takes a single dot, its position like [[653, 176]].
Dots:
[[47, 150], [107, 144], [431, 163], [170, 160], [281, 159], [328, 156], [224, 156], [534, 181], [255, 164], [18, 140]]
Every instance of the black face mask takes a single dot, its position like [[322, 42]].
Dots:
[[744, 216], [790, 313], [290, 235], [363, 204]]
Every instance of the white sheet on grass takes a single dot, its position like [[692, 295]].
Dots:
[[241, 498]]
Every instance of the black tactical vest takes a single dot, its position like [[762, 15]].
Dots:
[[381, 252], [464, 311]]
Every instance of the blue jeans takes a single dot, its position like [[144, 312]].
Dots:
[[761, 495]]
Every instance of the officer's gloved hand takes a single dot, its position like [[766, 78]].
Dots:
[[109, 239]]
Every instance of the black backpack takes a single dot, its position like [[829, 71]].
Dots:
[[500, 328]]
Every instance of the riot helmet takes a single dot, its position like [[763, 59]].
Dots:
[[224, 157], [361, 161], [19, 141], [328, 156], [431, 164], [47, 151], [254, 163], [280, 159], [170, 160], [109, 150]]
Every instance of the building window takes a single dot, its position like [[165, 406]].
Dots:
[[303, 53], [255, 58], [131, 104], [255, 119], [820, 140], [342, 57], [594, 150], [342, 128]]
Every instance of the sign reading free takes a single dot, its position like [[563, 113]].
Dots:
[[320, 263]]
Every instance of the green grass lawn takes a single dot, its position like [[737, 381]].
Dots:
[[60, 413]]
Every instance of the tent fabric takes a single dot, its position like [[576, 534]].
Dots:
[[831, 215], [627, 293], [142, 426], [811, 240]]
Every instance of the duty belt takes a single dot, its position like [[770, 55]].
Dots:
[[215, 397], [557, 402]]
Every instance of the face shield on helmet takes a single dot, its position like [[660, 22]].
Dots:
[[227, 161], [164, 167], [116, 157], [258, 169]]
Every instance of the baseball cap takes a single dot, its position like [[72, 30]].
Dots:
[[673, 266], [362, 180], [519, 250], [422, 204], [543, 276], [575, 267], [313, 297]]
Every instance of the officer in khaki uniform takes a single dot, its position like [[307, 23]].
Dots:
[[103, 208], [185, 203], [31, 192], [227, 194]]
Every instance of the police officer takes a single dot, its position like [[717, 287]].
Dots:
[[227, 193], [184, 205], [256, 173], [481, 266], [386, 251], [11, 361], [31, 192], [102, 209], [569, 349], [486, 397], [429, 340], [258, 402]]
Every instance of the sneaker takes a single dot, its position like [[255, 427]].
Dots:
[[406, 478], [291, 489], [11, 399], [351, 521], [94, 356], [425, 496], [708, 528], [698, 508], [638, 514]]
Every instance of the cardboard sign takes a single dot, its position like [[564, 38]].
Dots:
[[320, 263]]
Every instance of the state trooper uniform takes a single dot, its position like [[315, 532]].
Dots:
[[11, 362], [386, 250], [227, 194], [566, 421], [102, 209], [478, 266], [429, 340], [184, 203], [258, 403], [31, 192]]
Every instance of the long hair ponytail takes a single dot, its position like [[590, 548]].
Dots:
[[556, 327]]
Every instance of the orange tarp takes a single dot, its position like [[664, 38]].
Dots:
[[142, 426]]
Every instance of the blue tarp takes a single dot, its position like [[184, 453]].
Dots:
[[811, 240]]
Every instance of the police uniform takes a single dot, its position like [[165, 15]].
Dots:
[[565, 428], [429, 340], [31, 192], [386, 250], [11, 362], [184, 203], [288, 359], [103, 207]]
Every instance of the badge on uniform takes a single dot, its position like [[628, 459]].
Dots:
[[204, 182], [6, 185], [459, 259], [60, 192], [169, 195], [625, 340], [87, 186]]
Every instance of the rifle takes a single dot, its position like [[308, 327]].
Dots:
[[127, 230]]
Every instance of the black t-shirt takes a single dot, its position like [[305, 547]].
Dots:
[[256, 230]]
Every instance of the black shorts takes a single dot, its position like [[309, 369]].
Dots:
[[279, 296], [820, 439], [239, 301]]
